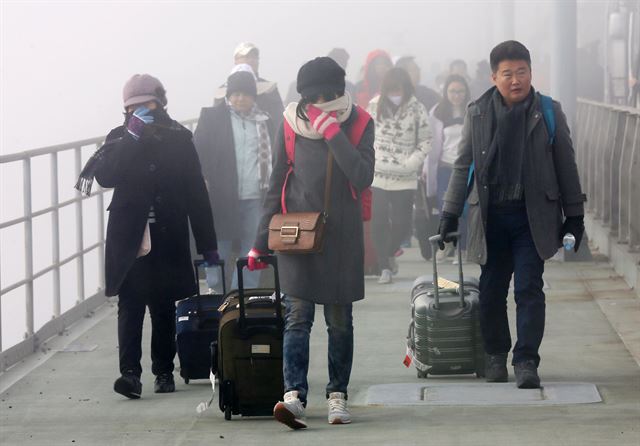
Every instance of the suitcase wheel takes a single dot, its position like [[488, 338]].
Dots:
[[422, 375], [186, 380], [227, 413], [480, 374]]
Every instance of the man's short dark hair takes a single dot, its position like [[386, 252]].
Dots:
[[509, 50]]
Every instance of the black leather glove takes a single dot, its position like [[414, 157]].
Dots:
[[448, 224], [575, 226]]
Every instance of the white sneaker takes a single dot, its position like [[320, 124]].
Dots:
[[385, 277], [338, 412], [290, 411]]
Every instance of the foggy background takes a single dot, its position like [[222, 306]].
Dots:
[[63, 65]]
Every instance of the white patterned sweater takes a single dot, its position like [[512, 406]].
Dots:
[[402, 142]]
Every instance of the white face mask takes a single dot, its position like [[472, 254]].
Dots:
[[395, 100]]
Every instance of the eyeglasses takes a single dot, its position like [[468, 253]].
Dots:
[[457, 92]]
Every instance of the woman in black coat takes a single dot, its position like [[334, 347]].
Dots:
[[333, 277], [153, 167]]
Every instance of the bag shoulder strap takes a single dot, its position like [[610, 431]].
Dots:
[[549, 116], [359, 125], [289, 142], [355, 135]]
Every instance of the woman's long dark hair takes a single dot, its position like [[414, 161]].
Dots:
[[444, 109], [395, 79], [301, 109]]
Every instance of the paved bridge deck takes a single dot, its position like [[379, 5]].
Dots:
[[63, 395]]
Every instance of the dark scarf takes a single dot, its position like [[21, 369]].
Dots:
[[162, 121], [506, 153]]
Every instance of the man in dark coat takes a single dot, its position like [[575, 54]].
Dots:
[[524, 185], [233, 140], [153, 167], [333, 277]]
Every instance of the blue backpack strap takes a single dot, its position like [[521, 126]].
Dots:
[[549, 116]]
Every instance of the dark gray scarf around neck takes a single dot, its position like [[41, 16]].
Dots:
[[506, 153]]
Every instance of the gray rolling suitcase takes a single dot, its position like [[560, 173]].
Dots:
[[444, 334]]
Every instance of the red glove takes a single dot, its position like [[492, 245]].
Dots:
[[322, 122], [253, 263]]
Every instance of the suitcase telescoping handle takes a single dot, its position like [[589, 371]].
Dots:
[[434, 241], [244, 262], [220, 263]]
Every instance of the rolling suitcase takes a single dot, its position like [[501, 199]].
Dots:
[[444, 334], [250, 348], [197, 320]]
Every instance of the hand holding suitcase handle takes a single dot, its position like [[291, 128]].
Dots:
[[199, 262], [434, 241], [243, 262]]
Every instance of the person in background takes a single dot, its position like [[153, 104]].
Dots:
[[402, 140], [482, 81], [333, 277], [425, 95], [459, 67], [233, 140], [524, 185], [268, 99], [376, 66], [151, 163], [341, 57], [446, 120]]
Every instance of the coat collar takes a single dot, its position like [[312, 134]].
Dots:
[[481, 106]]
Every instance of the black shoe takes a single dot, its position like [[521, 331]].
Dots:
[[527, 375], [128, 385], [164, 383], [496, 368]]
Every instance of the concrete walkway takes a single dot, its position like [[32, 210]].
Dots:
[[592, 326]]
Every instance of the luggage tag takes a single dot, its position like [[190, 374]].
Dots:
[[408, 358]]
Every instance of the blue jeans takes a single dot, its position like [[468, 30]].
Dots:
[[249, 213], [298, 320], [510, 250]]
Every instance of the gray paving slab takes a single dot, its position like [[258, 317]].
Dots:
[[481, 394], [68, 399]]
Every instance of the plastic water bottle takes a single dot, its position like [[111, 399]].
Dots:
[[568, 241]]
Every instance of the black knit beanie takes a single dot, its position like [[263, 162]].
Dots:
[[242, 82], [320, 75]]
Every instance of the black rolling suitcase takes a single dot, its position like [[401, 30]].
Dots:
[[250, 348], [197, 321], [444, 334]]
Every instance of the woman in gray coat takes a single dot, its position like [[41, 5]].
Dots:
[[335, 276]]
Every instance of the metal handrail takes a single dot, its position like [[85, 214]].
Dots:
[[608, 153], [86, 304]]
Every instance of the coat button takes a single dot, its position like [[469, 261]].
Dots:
[[158, 199], [484, 152], [152, 167], [484, 187]]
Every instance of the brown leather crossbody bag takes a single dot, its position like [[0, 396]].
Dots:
[[301, 232]]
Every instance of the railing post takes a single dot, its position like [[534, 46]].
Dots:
[[79, 230], [55, 234], [100, 200], [28, 246]]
